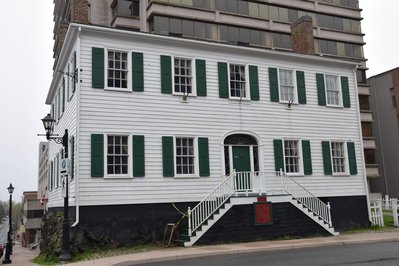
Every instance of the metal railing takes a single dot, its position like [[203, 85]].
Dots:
[[269, 183], [212, 202]]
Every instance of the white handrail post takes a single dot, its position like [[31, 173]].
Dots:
[[386, 202], [235, 182], [329, 213], [189, 220], [281, 173], [395, 212]]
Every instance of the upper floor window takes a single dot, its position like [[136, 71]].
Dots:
[[237, 81], [333, 90], [183, 76], [117, 69], [287, 88]]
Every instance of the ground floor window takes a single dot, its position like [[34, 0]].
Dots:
[[291, 156], [338, 157], [117, 155], [185, 156]]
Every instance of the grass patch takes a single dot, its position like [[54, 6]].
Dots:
[[99, 253]]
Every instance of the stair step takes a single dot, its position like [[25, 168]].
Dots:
[[184, 237], [180, 242]]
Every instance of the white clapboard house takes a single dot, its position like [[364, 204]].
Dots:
[[162, 126]]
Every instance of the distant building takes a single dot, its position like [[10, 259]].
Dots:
[[384, 101], [42, 189], [32, 212]]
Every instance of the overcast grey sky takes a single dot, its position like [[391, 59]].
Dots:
[[26, 30]]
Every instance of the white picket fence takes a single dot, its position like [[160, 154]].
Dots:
[[388, 204]]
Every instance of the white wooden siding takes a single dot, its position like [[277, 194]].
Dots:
[[153, 114]]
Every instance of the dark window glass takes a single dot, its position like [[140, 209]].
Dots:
[[369, 155], [255, 37], [175, 25], [199, 3], [243, 7], [361, 76], [226, 160], [292, 15], [221, 5], [325, 21], [199, 29], [161, 25], [224, 33], [188, 28], [232, 6], [281, 40], [349, 50], [136, 8], [240, 139], [234, 34], [338, 23], [364, 102], [244, 35], [367, 129], [393, 98]]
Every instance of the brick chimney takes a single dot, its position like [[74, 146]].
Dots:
[[79, 11], [302, 36]]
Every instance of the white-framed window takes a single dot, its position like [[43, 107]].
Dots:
[[118, 154], [117, 69], [292, 156], [333, 90], [339, 157], [287, 85], [185, 156], [183, 76], [238, 81]]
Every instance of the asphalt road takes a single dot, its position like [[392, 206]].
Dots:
[[377, 254]]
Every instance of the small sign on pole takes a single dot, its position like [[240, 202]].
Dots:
[[64, 169]]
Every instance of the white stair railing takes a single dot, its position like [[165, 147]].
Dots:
[[305, 197], [213, 201]]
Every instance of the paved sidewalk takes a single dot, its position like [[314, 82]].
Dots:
[[22, 256]]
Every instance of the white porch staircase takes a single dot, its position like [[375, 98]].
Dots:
[[217, 203]]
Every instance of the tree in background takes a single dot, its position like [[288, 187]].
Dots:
[[3, 209]]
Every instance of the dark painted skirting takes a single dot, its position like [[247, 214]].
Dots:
[[123, 224]]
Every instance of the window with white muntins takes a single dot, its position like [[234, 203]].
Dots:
[[117, 155], [333, 90], [292, 158], [338, 157], [117, 69], [185, 156], [287, 88], [237, 81], [183, 79]]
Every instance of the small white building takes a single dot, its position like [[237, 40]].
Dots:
[[158, 124]]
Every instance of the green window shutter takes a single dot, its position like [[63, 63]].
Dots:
[[72, 152], [223, 77], [138, 71], [301, 87], [307, 157], [203, 154], [273, 83], [138, 156], [278, 154], [52, 175], [326, 157], [200, 69], [97, 155], [254, 82], [166, 74], [321, 91], [167, 157], [345, 92], [352, 158], [97, 67]]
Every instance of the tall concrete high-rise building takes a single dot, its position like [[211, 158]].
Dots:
[[384, 101], [262, 23]]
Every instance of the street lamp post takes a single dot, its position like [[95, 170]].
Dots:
[[7, 259], [48, 123]]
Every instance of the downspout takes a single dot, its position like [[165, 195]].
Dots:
[[361, 143], [77, 153]]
